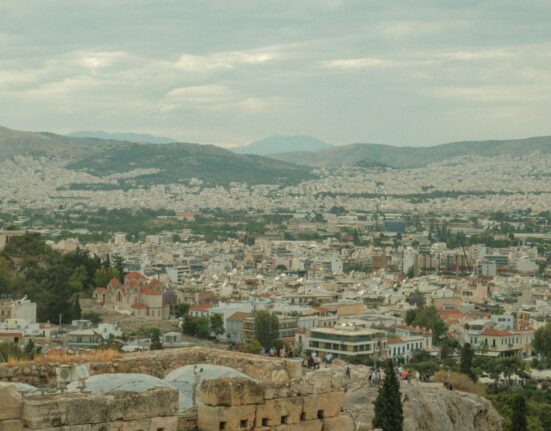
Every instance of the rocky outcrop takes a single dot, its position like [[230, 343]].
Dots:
[[430, 408]]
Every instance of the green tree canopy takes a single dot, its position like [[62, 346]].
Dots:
[[518, 418], [427, 317], [388, 404], [104, 275], [542, 341], [266, 328], [217, 324], [466, 365]]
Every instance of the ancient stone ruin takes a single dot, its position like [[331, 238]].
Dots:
[[277, 396]]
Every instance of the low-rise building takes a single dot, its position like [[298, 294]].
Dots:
[[347, 338]]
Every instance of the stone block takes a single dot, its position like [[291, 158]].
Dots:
[[280, 411], [294, 368], [78, 409], [322, 406], [313, 425], [338, 423], [280, 377], [11, 425], [229, 391], [300, 387], [11, 402], [321, 381], [338, 381], [210, 418]]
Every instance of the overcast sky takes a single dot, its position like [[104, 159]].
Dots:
[[404, 72]]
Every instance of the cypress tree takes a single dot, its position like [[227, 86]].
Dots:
[[388, 405], [467, 355], [518, 419], [77, 311]]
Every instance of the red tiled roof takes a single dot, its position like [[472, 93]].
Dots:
[[495, 333], [11, 334], [154, 283], [134, 275], [201, 307], [395, 340], [321, 309], [138, 305], [239, 316], [47, 325], [100, 289], [115, 282]]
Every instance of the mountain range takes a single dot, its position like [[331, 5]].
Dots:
[[175, 162], [123, 136], [282, 144], [414, 157], [178, 162]]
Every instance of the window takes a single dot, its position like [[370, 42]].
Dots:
[[302, 416], [222, 426], [243, 423], [284, 419], [320, 414], [264, 422]]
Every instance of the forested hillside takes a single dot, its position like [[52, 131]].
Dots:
[[28, 266]]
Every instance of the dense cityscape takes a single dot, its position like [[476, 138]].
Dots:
[[275, 215]]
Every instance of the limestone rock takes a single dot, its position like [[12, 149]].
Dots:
[[339, 423], [231, 391], [233, 418], [11, 402], [11, 425], [430, 408]]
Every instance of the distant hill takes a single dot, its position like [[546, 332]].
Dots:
[[130, 137], [176, 162], [413, 157], [14, 142], [282, 144]]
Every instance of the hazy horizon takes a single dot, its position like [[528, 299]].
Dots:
[[236, 72]]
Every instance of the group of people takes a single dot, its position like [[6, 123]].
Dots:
[[283, 352]]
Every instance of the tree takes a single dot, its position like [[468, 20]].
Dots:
[[104, 275], [217, 324], [180, 310], [155, 337], [388, 405], [428, 317], [189, 326], [252, 347], [76, 310], [510, 366], [518, 419], [542, 341], [202, 327], [30, 349], [467, 355], [266, 328], [92, 316]]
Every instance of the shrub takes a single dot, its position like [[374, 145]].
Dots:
[[461, 382]]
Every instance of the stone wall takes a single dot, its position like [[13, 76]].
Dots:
[[152, 410], [313, 402], [161, 362], [281, 397]]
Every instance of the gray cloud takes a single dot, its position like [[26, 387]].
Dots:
[[401, 72]]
